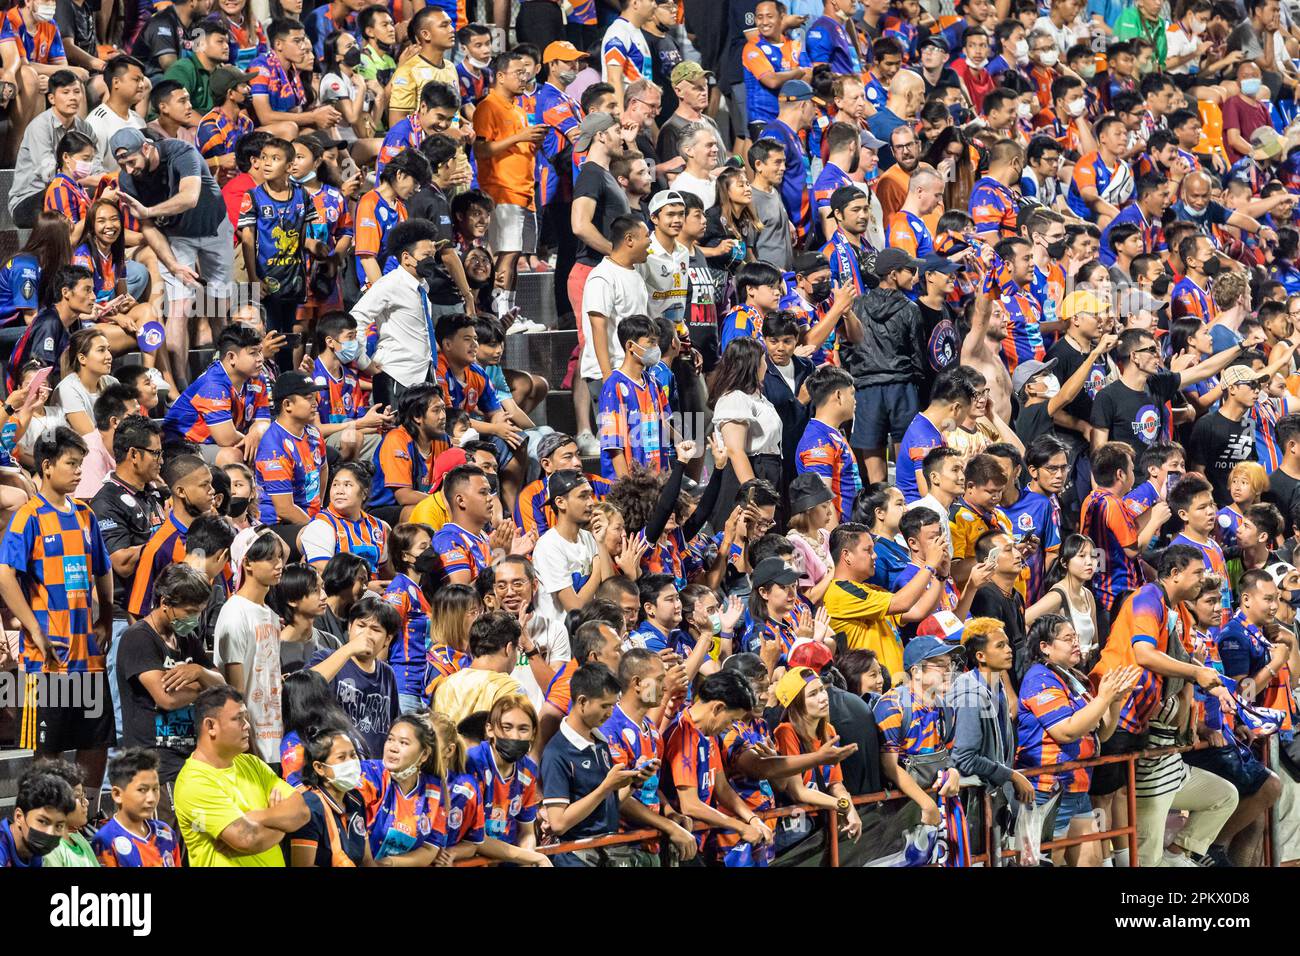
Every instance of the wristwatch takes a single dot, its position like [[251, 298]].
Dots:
[[532, 653], [9, 409], [843, 805]]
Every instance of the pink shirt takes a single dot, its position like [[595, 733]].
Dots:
[[97, 465]]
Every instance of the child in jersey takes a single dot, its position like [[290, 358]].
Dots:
[[134, 837]]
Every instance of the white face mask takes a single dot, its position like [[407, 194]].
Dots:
[[478, 64], [43, 12], [1049, 57], [1051, 387], [1198, 27], [1022, 51], [1024, 110], [1077, 107], [347, 775]]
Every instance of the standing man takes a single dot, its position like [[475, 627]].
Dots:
[[624, 52], [614, 291], [794, 116], [1223, 438], [634, 427], [433, 32], [773, 245], [894, 182], [690, 83], [125, 105], [906, 228]]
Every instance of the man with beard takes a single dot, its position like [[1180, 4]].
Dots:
[[842, 153], [190, 480], [892, 186], [571, 561]]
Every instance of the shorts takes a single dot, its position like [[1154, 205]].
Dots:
[[213, 257], [1110, 777], [883, 414], [739, 112], [512, 229], [67, 712], [1241, 769], [1071, 806]]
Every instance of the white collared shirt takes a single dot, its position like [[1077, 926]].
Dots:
[[393, 303]]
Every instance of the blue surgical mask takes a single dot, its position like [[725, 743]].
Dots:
[[1251, 86], [302, 180], [349, 351]]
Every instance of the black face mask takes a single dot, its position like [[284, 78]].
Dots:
[[1056, 250], [1212, 267], [42, 844], [821, 291], [352, 59], [238, 506], [512, 750], [427, 267]]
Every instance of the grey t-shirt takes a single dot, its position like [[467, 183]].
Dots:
[[1246, 39], [772, 245], [179, 161], [596, 183]]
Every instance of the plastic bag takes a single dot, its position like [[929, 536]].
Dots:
[[923, 845], [745, 854], [1030, 821]]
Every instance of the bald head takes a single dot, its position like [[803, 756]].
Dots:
[[924, 177], [906, 94]]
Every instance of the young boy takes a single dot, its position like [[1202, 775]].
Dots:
[[345, 428], [1119, 77], [823, 448], [473, 73], [133, 837], [632, 413], [1162, 464], [471, 212], [527, 390], [759, 288], [41, 811], [363, 682], [701, 292], [1192, 500], [273, 233]]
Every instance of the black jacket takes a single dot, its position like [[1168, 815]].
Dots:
[[892, 350], [794, 416]]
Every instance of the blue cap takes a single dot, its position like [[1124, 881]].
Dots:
[[126, 142], [922, 648], [796, 91]]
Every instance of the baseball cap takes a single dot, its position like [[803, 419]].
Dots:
[[845, 195], [444, 463], [562, 482], [891, 260], [807, 491], [936, 41], [562, 50], [925, 646], [791, 685], [871, 141], [1279, 571], [689, 70], [552, 442], [239, 549], [1239, 375], [795, 91], [809, 262], [809, 653], [940, 264], [1081, 301], [226, 78], [1027, 370], [126, 142], [668, 197], [773, 570], [292, 383], [592, 125]]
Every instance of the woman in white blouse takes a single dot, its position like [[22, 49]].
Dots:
[[747, 422], [85, 367]]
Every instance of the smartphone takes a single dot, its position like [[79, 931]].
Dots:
[[292, 339], [994, 553]]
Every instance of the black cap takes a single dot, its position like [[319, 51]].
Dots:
[[940, 264], [807, 262], [773, 570], [891, 260], [936, 41], [560, 483], [807, 491], [292, 383], [845, 195]]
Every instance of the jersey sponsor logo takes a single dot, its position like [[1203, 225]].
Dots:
[[1025, 521], [1147, 424]]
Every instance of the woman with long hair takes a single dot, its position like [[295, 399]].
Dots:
[[74, 159], [307, 704], [746, 421], [331, 777], [362, 102], [247, 38], [705, 619], [27, 279], [85, 367], [1189, 342], [406, 796], [408, 653], [453, 610], [1067, 593], [1059, 721], [732, 217], [951, 144]]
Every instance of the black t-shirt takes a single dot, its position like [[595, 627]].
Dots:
[[855, 723], [664, 55], [163, 34], [127, 519], [76, 22], [1283, 491], [1133, 417], [170, 733], [179, 161], [1068, 360], [702, 308], [991, 602], [1216, 446], [596, 183], [942, 339], [1032, 421]]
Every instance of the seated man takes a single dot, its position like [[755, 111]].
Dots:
[[291, 469], [46, 339], [278, 96], [227, 408], [31, 53]]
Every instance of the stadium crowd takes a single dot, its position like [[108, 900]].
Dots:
[[936, 425]]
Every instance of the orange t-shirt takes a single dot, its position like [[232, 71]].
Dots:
[[508, 176]]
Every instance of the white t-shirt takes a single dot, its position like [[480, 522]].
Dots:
[[931, 502], [616, 293], [335, 87], [104, 123], [75, 397], [665, 275], [706, 189], [787, 373], [758, 414], [557, 561], [1179, 43], [552, 642], [248, 634]]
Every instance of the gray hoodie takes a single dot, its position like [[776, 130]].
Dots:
[[984, 744]]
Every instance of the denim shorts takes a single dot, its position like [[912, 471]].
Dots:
[[1072, 805], [882, 414], [1239, 767]]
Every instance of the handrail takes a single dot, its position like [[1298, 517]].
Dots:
[[624, 837]]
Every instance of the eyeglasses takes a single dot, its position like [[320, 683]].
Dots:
[[1055, 468], [156, 452], [1145, 348]]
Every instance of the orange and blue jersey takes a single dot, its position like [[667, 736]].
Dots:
[[165, 547], [754, 633], [1264, 414], [401, 822], [1226, 526], [994, 209], [1037, 514], [561, 114], [116, 846], [44, 46], [1048, 290], [101, 266], [624, 51], [408, 654], [474, 393], [320, 26], [557, 691], [633, 424], [1066, 134], [907, 34], [876, 92], [809, 315], [824, 451], [293, 757], [338, 395], [245, 42], [734, 741], [921, 438], [461, 550], [375, 216], [399, 463], [20, 280], [1242, 648], [761, 57], [364, 537], [1091, 171], [908, 232], [473, 87], [289, 464], [927, 732], [1142, 619], [583, 12], [842, 256], [1141, 498], [57, 556], [507, 802], [829, 179], [1045, 701], [691, 759], [533, 514], [1189, 299], [65, 196], [332, 210], [280, 230], [742, 322], [283, 90], [464, 810], [948, 596], [212, 399], [405, 133], [1111, 527], [218, 135], [110, 181], [828, 42], [821, 777], [632, 745], [441, 662], [671, 555], [795, 194], [1024, 339], [1153, 237]]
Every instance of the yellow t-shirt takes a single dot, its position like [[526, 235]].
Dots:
[[860, 613], [208, 800], [468, 691], [411, 75], [431, 511]]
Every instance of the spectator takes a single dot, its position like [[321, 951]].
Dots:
[[41, 809], [35, 166], [493, 645], [133, 836]]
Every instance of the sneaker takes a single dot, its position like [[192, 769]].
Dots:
[[156, 377], [588, 447], [1214, 856], [525, 325], [1177, 859]]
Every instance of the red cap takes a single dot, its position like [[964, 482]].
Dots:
[[812, 654], [449, 459]]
